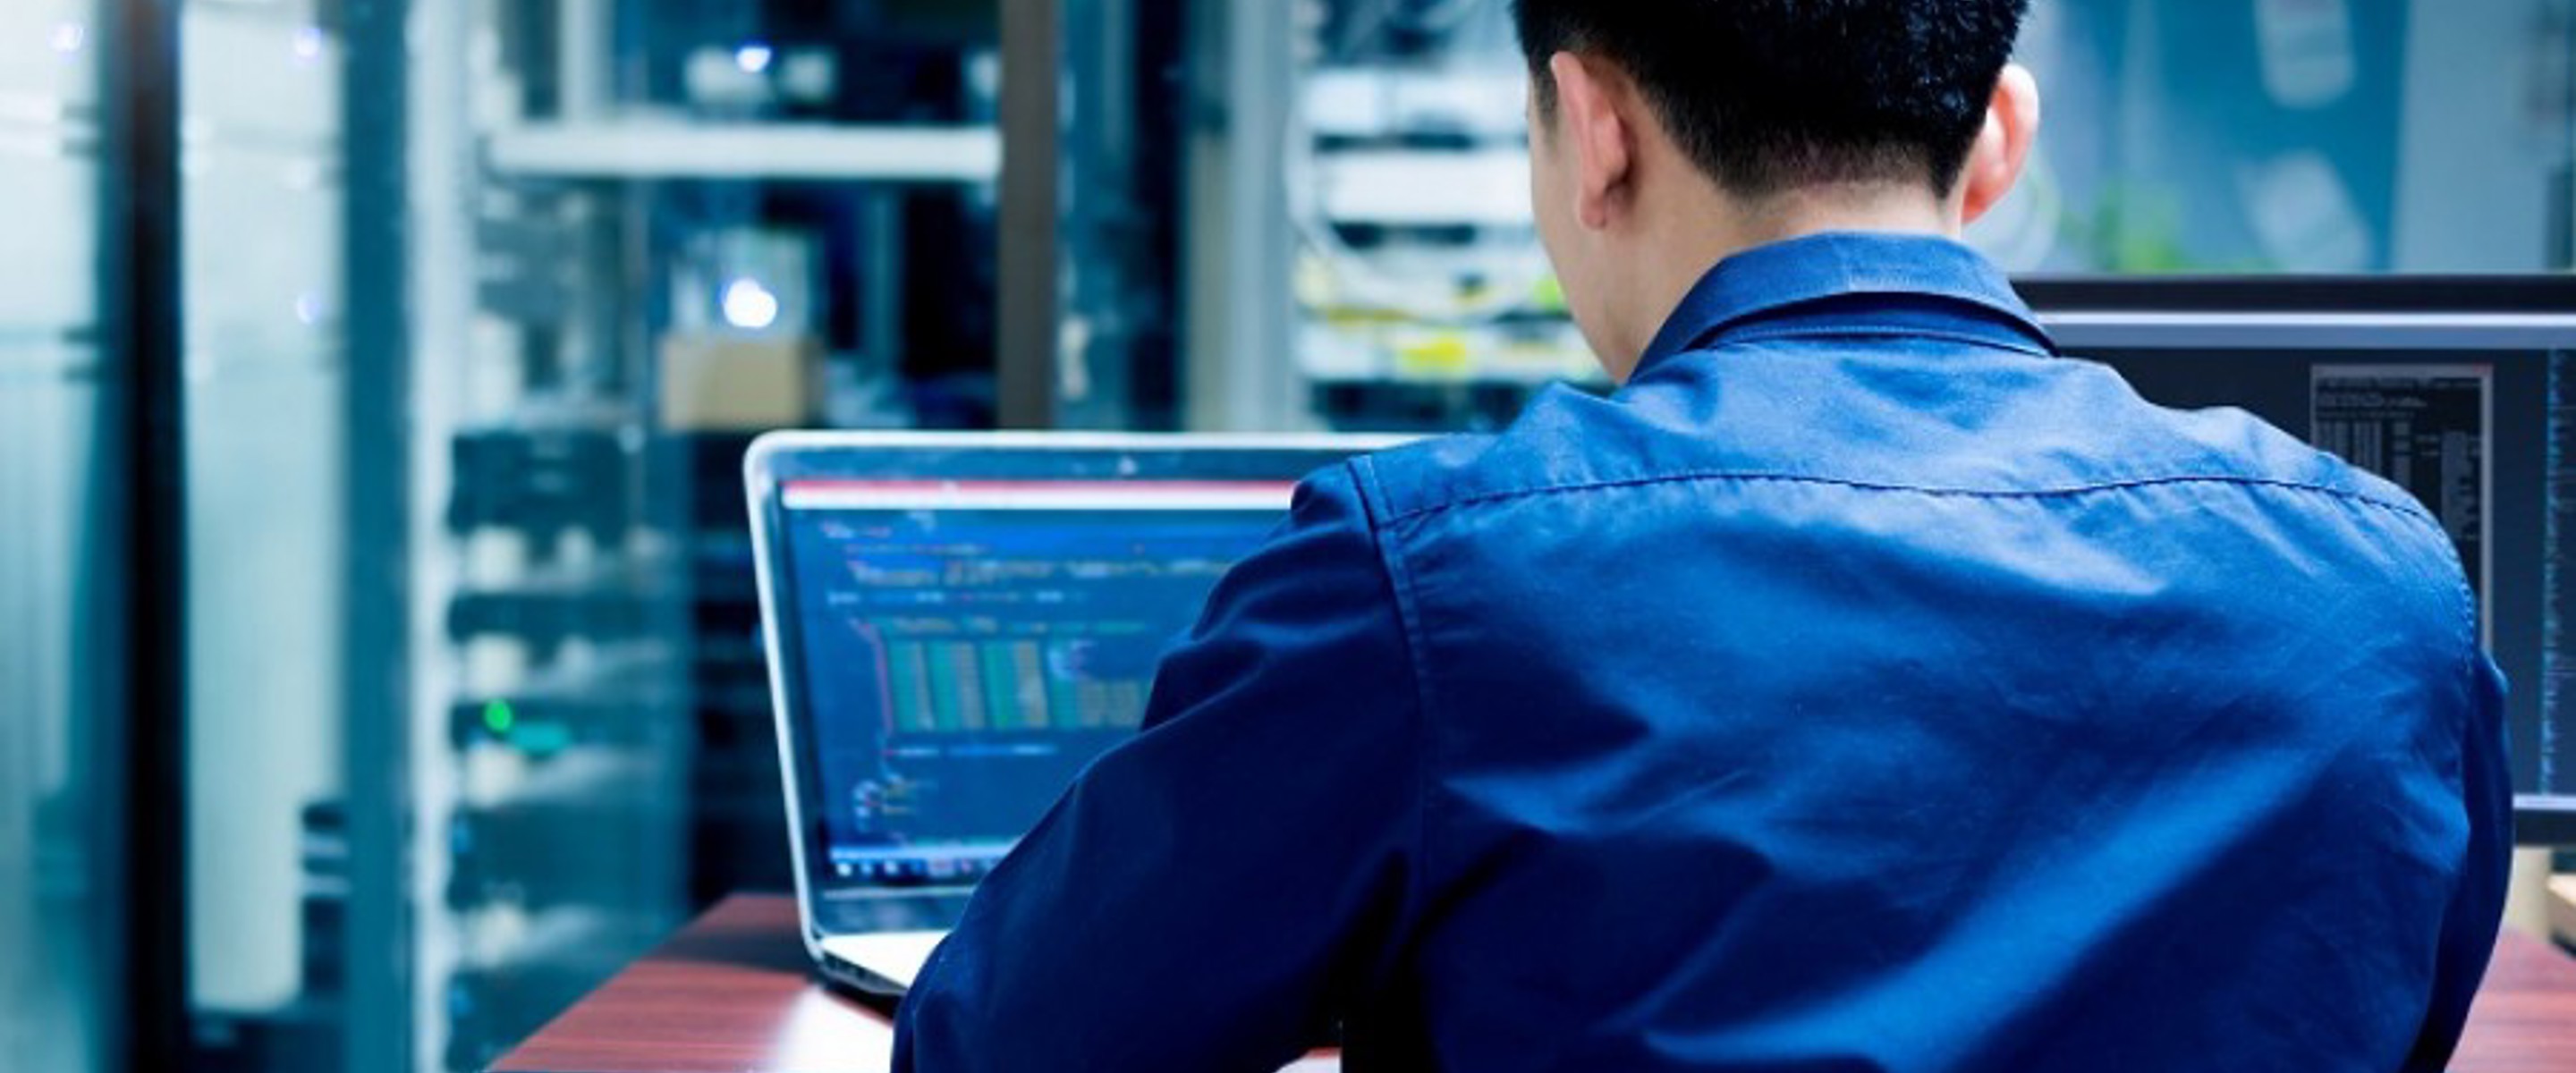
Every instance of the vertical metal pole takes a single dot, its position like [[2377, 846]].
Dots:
[[1258, 386], [881, 236], [1032, 135], [141, 209], [583, 86], [376, 112], [2563, 244]]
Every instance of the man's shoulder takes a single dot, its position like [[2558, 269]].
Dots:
[[2228, 445], [1403, 483], [2080, 429], [1566, 438]]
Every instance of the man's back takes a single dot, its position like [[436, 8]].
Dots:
[[1865, 684], [1860, 688]]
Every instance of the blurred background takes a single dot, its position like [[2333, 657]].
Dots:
[[379, 660]]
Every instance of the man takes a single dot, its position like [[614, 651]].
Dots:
[[1861, 687]]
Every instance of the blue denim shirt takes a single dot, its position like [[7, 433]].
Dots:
[[1863, 687]]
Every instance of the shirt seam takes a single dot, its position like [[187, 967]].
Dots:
[[2446, 560], [1400, 587], [2471, 651], [1871, 330], [1416, 514]]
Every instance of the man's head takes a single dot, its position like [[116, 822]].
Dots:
[[1670, 133]]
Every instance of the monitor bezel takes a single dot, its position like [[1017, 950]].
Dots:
[[2222, 294]]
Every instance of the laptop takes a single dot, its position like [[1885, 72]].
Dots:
[[956, 626]]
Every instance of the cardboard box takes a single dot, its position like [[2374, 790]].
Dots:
[[734, 383]]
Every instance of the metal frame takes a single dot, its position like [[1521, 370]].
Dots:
[[1025, 370], [2303, 312], [1249, 379], [143, 317], [2079, 330], [377, 1030], [2544, 821], [2321, 294]]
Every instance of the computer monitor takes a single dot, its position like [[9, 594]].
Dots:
[[2472, 411], [961, 623]]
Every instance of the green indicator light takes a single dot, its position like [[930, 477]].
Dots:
[[498, 717]]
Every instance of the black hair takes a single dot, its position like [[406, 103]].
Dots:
[[1770, 95]]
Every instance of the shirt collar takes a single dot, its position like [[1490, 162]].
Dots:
[[1768, 280]]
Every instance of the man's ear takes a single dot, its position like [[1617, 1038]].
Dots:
[[1604, 146], [2003, 147]]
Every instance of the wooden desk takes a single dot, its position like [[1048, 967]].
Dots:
[[731, 994]]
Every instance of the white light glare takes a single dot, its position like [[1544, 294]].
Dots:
[[749, 306], [68, 37], [308, 43], [754, 58]]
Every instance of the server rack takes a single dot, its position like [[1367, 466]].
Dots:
[[642, 233]]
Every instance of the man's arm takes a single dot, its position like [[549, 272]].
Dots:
[[1211, 894], [2477, 907]]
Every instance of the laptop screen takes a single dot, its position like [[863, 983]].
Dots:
[[968, 646]]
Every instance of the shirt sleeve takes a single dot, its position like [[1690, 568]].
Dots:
[[1212, 894], [2477, 907]]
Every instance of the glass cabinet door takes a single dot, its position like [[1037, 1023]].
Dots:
[[261, 211], [58, 912]]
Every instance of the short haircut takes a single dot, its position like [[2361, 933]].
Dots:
[[1771, 95]]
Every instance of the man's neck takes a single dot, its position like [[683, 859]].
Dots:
[[1718, 226]]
